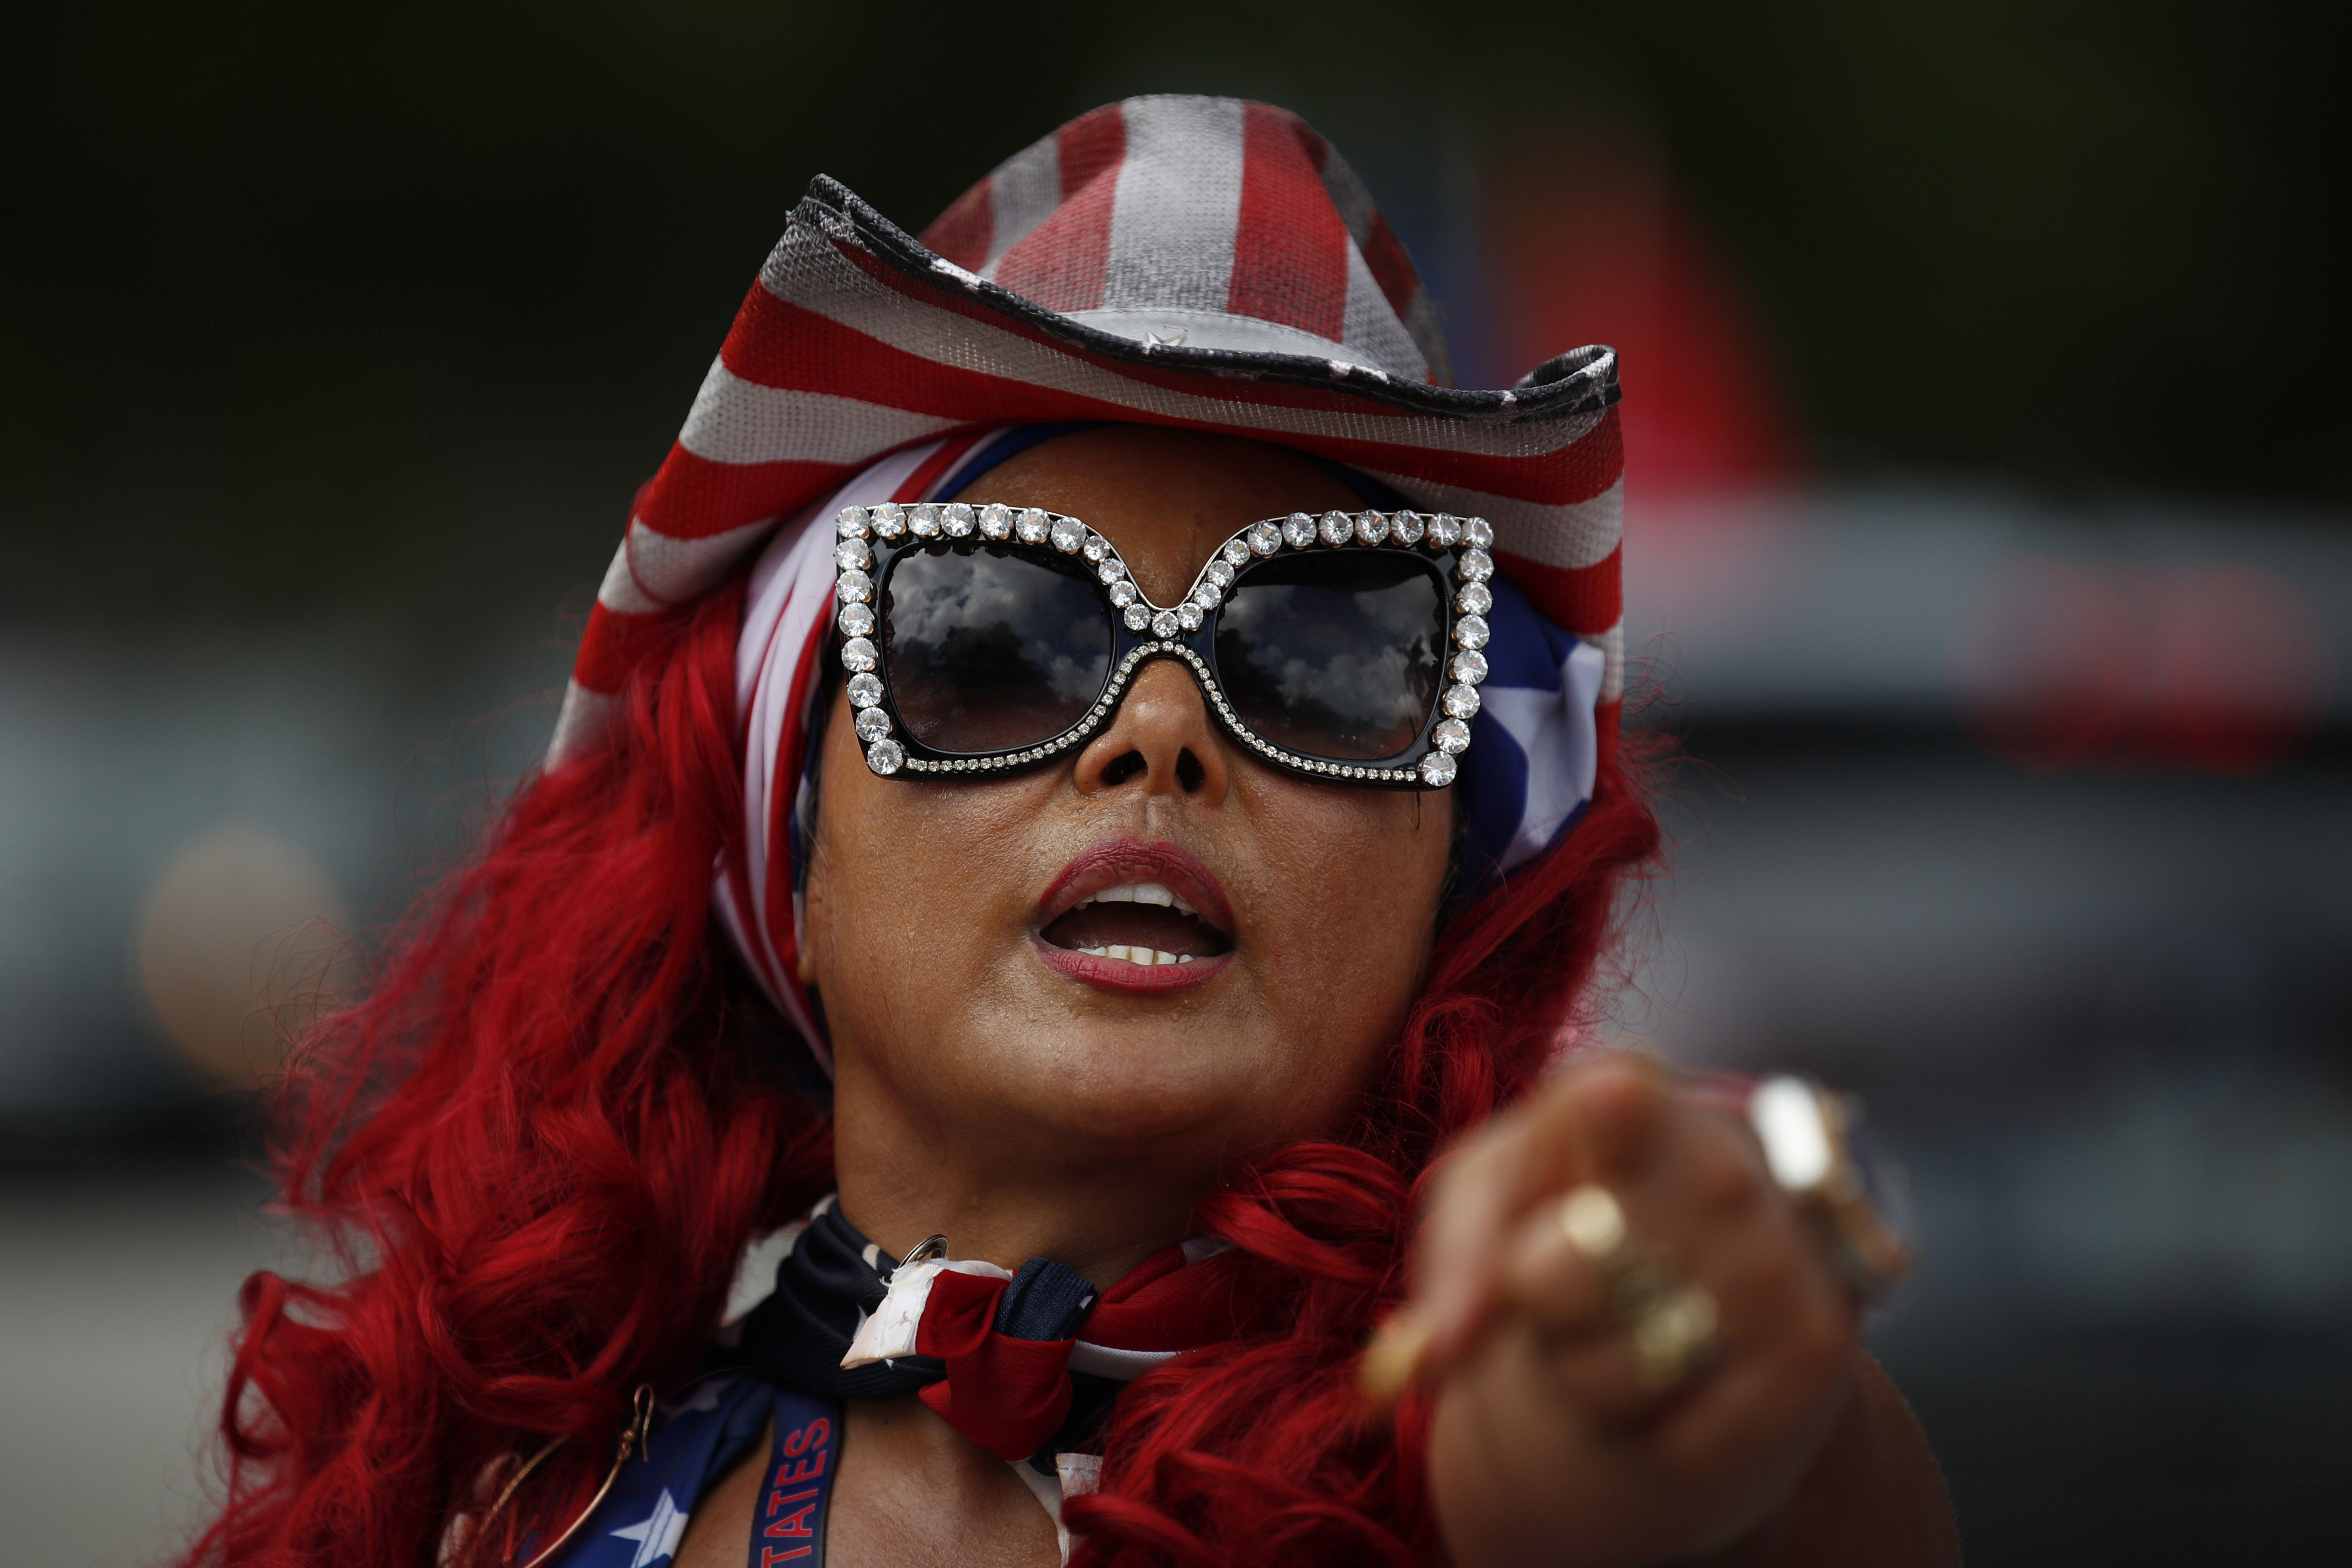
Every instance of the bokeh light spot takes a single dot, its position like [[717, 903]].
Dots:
[[237, 948]]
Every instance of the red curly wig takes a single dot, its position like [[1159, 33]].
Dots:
[[542, 1142]]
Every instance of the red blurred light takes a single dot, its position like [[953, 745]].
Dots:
[[1589, 241], [2210, 668]]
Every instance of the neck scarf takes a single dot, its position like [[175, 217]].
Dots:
[[1023, 1363]]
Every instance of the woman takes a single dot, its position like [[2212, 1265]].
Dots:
[[1148, 831]]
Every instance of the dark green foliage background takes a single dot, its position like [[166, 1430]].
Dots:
[[306, 306]]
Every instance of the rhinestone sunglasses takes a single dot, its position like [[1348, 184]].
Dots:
[[987, 640]]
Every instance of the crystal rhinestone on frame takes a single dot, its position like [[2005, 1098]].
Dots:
[[1265, 538], [1206, 595], [1122, 593], [1189, 616], [1219, 574], [865, 690], [1069, 534], [851, 523], [1469, 666], [853, 587], [852, 555], [996, 520], [1444, 530], [889, 519], [1478, 534], [1451, 735], [857, 621], [1137, 617], [1111, 571], [1371, 528], [1234, 552], [1437, 770], [1462, 702], [923, 522], [956, 520], [858, 654], [1471, 631], [1095, 547], [886, 757], [1475, 567], [1163, 625], [1476, 599], [1338, 527], [1032, 525], [873, 725], [1298, 531], [1405, 527]]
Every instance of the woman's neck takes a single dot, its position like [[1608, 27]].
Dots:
[[1005, 1199]]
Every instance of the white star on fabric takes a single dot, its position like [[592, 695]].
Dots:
[[1559, 749], [658, 1535]]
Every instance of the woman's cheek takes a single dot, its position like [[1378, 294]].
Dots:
[[1349, 930]]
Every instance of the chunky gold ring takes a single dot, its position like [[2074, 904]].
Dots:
[[1672, 1322], [1392, 1359], [1673, 1338]]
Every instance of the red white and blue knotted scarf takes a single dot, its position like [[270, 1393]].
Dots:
[[1024, 1362]]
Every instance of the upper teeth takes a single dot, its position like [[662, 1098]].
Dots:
[[1139, 893]]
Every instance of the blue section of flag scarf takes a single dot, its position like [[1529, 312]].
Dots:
[[1526, 653]]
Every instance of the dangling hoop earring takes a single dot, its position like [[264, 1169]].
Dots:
[[634, 1437]]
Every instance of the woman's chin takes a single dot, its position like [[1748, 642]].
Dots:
[[1126, 1087]]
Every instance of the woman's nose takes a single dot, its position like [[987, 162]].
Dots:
[[1162, 737]]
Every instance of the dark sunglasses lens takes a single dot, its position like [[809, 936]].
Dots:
[[987, 650], [1336, 654]]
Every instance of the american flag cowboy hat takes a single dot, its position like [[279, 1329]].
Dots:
[[1201, 262]]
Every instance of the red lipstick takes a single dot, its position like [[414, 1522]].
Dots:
[[1122, 862]]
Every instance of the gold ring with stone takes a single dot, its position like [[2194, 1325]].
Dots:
[[1672, 1322]]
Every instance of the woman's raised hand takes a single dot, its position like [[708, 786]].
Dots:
[[1672, 1375]]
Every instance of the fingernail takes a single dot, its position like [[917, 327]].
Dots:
[[1393, 1358]]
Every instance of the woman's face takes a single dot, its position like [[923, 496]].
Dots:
[[947, 923]]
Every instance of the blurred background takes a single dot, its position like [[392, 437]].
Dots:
[[1990, 545]]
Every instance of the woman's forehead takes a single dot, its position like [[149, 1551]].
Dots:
[[1165, 498]]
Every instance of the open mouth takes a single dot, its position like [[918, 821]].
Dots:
[[1142, 922], [1129, 916]]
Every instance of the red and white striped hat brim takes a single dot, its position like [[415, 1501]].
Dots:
[[1199, 262]]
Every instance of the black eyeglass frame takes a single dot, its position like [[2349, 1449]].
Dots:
[[869, 540]]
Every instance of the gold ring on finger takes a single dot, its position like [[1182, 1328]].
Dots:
[[1670, 1321], [1675, 1338]]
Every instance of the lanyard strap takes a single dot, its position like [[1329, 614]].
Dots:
[[788, 1522]]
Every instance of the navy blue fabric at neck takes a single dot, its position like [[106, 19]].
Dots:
[[1046, 1302]]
